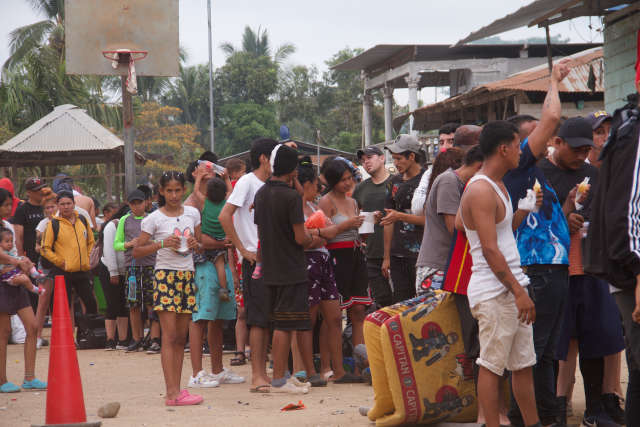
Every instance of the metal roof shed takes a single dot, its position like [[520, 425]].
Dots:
[[67, 136]]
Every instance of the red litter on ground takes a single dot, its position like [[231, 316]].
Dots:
[[294, 406]]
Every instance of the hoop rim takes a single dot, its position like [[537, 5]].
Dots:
[[110, 54]]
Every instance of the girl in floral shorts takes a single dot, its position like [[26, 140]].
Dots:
[[172, 232]]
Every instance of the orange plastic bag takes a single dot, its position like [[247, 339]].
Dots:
[[317, 220]]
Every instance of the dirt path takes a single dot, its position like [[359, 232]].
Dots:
[[135, 380]]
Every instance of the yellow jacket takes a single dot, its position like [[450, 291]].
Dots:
[[71, 249]]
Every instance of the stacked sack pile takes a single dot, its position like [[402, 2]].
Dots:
[[419, 370]]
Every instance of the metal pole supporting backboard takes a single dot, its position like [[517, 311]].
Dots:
[[129, 152], [211, 128]]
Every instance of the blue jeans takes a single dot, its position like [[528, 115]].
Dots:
[[548, 289], [626, 304]]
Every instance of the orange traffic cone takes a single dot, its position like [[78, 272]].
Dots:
[[65, 402]]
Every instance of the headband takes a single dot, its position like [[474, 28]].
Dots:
[[272, 159]]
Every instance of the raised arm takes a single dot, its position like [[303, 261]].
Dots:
[[551, 111]]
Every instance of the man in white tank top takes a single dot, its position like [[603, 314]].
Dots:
[[497, 289]]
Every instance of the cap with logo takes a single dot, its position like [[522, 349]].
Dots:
[[405, 143], [34, 184], [369, 151], [136, 195], [577, 132], [597, 118]]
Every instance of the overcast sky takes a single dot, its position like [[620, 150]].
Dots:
[[320, 29]]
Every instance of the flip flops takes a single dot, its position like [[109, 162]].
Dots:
[[264, 388]]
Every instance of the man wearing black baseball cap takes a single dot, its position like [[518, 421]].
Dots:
[[590, 314], [27, 217], [370, 195], [601, 124]]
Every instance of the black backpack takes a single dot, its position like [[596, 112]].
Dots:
[[91, 332], [55, 226]]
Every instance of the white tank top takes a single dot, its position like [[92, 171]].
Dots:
[[483, 284]]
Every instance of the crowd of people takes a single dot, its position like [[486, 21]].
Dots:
[[283, 250]]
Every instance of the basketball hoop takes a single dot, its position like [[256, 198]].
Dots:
[[126, 56]]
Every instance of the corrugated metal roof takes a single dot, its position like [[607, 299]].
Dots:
[[535, 79], [541, 10], [67, 128], [392, 55]]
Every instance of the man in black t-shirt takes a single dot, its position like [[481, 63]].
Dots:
[[403, 230], [27, 217], [371, 195], [280, 219], [591, 316]]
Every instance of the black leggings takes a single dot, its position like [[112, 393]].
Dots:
[[113, 294], [81, 283]]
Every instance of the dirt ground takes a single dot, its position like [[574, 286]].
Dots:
[[135, 380]]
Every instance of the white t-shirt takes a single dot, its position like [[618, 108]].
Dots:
[[42, 225], [160, 227], [242, 198]]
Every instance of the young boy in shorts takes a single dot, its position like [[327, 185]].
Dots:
[[129, 228], [280, 220]]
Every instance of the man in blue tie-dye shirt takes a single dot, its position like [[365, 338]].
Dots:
[[543, 243]]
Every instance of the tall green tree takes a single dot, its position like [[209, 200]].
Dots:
[[257, 43]]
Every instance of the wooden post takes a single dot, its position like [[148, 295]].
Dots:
[[129, 137], [108, 179], [549, 55], [491, 111]]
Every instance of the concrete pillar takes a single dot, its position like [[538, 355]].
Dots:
[[412, 83], [387, 92], [367, 107]]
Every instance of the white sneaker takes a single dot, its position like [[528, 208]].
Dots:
[[39, 343], [290, 388], [227, 376], [202, 380], [296, 382]]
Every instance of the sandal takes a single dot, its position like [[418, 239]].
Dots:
[[349, 378], [317, 381], [264, 388], [240, 359]]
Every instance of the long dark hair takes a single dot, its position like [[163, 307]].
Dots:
[[165, 179], [452, 158], [4, 195], [124, 209], [334, 171]]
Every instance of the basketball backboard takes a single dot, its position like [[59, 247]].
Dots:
[[95, 26]]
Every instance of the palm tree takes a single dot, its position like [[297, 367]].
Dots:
[[257, 43], [24, 40]]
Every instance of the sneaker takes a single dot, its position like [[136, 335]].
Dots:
[[612, 407], [290, 388], [9, 388], [34, 384], [154, 348], [293, 380], [135, 346], [39, 343], [121, 345], [203, 380], [184, 399], [110, 345], [599, 420], [227, 376]]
